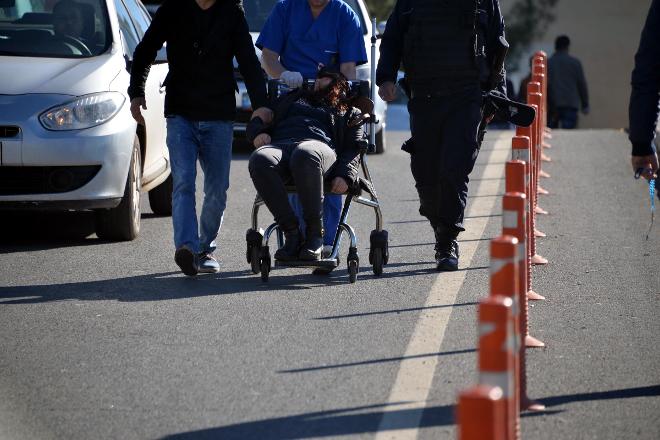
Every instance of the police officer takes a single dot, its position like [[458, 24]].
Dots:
[[447, 48]]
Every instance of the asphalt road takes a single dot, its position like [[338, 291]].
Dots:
[[108, 340]]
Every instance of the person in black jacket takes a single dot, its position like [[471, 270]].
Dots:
[[645, 97], [313, 137], [447, 49], [203, 36]]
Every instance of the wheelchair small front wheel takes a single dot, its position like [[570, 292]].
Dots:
[[377, 261], [264, 263], [255, 259], [353, 264], [352, 270]]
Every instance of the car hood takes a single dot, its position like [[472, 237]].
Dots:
[[66, 76]]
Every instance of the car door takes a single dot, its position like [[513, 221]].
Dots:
[[134, 21]]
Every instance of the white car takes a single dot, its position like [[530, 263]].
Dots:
[[67, 138], [256, 13]]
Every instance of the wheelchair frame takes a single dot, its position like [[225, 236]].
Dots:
[[258, 251]]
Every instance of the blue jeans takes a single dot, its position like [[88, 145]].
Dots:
[[210, 142], [332, 204], [565, 117]]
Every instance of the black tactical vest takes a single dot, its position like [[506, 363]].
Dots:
[[442, 45]]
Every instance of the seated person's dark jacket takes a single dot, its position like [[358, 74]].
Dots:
[[334, 131]]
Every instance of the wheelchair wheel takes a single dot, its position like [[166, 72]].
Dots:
[[377, 261], [253, 252], [264, 263], [255, 263], [353, 264], [379, 252]]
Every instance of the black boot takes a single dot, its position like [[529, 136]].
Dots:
[[291, 248], [446, 249], [313, 245]]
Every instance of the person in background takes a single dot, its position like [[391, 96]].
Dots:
[[645, 98], [522, 91], [203, 37], [68, 19], [567, 87], [298, 37]]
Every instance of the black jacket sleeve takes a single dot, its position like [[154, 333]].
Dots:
[[248, 63], [391, 45], [147, 50], [643, 111], [348, 154], [494, 32]]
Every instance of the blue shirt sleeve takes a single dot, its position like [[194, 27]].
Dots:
[[351, 38], [274, 33]]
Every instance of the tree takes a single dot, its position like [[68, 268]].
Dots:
[[526, 21], [381, 9]]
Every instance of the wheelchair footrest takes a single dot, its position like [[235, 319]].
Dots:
[[330, 263]]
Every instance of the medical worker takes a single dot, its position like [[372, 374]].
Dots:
[[299, 37]]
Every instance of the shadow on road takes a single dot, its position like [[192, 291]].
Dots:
[[625, 393], [396, 311], [25, 231], [331, 423], [163, 286], [377, 361]]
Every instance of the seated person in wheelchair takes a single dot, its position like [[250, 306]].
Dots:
[[313, 137]]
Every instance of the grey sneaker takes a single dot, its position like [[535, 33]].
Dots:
[[208, 263], [186, 260]]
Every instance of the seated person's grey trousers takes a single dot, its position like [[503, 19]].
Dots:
[[307, 163]]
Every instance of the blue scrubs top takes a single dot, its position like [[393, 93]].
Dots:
[[303, 43]]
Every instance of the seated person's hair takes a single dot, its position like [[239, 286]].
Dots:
[[337, 93]]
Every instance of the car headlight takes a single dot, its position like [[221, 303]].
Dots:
[[83, 112]]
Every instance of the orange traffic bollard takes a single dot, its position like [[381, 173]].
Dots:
[[516, 181], [513, 224], [534, 100], [514, 207], [481, 414], [496, 354]]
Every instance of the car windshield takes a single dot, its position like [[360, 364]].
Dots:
[[257, 11], [54, 28]]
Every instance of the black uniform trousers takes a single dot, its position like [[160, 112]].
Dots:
[[445, 148]]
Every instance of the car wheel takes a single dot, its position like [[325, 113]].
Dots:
[[123, 222], [380, 141], [160, 198]]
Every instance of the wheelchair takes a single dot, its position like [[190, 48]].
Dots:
[[363, 192]]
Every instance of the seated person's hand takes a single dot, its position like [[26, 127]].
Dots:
[[261, 140], [339, 185], [291, 79], [264, 113]]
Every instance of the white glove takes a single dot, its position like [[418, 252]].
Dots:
[[292, 79]]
